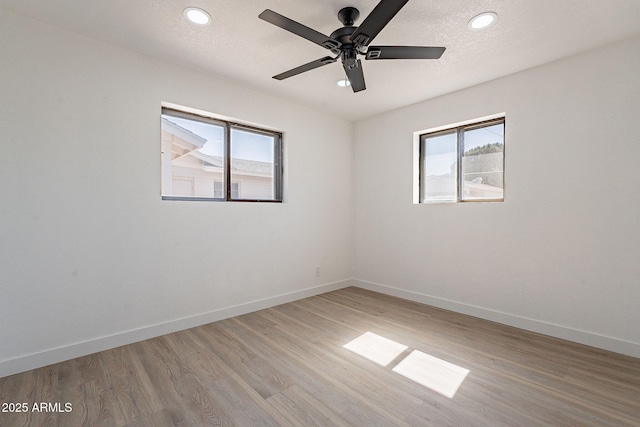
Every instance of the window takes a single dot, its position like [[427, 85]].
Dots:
[[209, 159], [218, 190], [463, 164]]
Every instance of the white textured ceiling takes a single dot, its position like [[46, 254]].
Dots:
[[239, 47]]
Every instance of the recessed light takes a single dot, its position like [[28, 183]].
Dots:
[[483, 20], [197, 16], [343, 82]]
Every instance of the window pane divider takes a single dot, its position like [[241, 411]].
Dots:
[[227, 163], [459, 157]]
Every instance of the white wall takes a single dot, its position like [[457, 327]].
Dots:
[[90, 256], [561, 254]]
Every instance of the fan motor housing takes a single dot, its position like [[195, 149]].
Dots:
[[343, 35]]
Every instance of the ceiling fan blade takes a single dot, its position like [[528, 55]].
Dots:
[[404, 52], [299, 30], [376, 21], [306, 67], [356, 77]]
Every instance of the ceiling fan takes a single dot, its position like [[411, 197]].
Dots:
[[348, 42]]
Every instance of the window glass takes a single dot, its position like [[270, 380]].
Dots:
[[482, 163], [440, 167], [252, 164], [192, 158]]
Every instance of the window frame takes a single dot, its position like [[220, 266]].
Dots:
[[278, 168], [459, 130]]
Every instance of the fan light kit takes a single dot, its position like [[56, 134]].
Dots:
[[348, 42], [343, 82], [483, 20], [197, 16]]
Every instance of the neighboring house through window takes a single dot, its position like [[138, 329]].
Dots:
[[218, 190]]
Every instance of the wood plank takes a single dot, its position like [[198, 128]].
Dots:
[[308, 379]]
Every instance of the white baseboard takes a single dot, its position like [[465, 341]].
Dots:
[[60, 354], [583, 337]]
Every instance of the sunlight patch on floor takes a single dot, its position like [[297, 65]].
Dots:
[[436, 374], [378, 349]]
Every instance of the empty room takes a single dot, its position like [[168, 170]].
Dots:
[[301, 213]]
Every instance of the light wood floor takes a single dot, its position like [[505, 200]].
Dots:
[[287, 366]]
